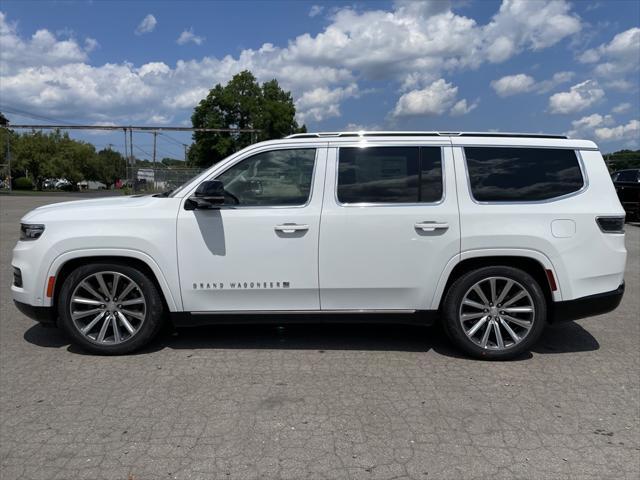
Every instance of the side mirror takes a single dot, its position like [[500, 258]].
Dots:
[[209, 194]]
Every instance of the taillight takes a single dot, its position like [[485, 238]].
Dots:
[[611, 224]]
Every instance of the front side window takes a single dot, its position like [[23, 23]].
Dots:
[[275, 178], [389, 175], [500, 174]]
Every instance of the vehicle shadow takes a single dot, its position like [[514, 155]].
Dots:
[[562, 338]]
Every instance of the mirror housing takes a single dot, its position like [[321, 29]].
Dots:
[[209, 194]]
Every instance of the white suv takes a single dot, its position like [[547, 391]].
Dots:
[[495, 234]]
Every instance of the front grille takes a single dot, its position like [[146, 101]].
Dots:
[[17, 277]]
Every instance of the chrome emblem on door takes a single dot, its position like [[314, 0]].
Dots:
[[239, 285]]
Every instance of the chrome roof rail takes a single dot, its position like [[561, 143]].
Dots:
[[422, 134]]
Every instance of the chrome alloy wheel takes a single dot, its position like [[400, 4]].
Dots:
[[497, 313], [108, 308]]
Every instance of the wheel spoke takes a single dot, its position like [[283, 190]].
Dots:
[[103, 330], [103, 286], [505, 291], [127, 290], [470, 316], [90, 289], [478, 289], [92, 323], [114, 287], [523, 323], [518, 309], [138, 315], [521, 294], [477, 326], [126, 323], [85, 313], [135, 301], [471, 303], [510, 331], [116, 329], [485, 337], [85, 301], [492, 286], [498, 334]]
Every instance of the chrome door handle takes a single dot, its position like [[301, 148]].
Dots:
[[290, 228], [431, 226]]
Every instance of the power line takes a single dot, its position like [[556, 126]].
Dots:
[[24, 113], [134, 128]]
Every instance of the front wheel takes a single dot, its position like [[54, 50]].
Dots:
[[110, 308], [495, 312]]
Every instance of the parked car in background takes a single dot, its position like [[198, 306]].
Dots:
[[494, 235], [627, 183]]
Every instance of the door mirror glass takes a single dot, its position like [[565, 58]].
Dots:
[[209, 194]]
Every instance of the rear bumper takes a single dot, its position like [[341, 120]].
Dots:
[[589, 306], [44, 315]]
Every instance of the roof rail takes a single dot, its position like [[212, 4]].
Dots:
[[421, 134]]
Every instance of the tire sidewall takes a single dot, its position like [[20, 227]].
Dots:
[[455, 296], [149, 328]]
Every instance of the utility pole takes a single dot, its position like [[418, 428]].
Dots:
[[124, 157], [9, 159], [185, 151], [132, 161], [155, 138]]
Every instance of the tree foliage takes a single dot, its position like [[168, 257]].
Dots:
[[241, 104], [623, 159], [38, 156]]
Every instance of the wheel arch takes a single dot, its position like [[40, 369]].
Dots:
[[534, 264], [66, 263]]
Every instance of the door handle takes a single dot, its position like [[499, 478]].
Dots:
[[431, 226], [290, 228]]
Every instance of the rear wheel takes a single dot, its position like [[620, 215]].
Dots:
[[495, 312], [110, 308]]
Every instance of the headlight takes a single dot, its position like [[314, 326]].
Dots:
[[30, 231]]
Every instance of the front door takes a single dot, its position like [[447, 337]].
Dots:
[[260, 250], [389, 226]]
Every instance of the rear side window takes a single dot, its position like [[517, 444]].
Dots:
[[390, 175], [500, 174]]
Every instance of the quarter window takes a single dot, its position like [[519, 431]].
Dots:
[[499, 174], [275, 178], [389, 175]]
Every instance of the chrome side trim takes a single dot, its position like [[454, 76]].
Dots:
[[299, 312], [583, 171]]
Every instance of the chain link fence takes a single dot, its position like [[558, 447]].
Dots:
[[154, 180]]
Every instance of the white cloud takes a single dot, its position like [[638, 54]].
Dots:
[[188, 36], [462, 107], [316, 10], [617, 58], [621, 108], [434, 99], [578, 98], [523, 83], [411, 42], [146, 25], [584, 127], [629, 131], [513, 84]]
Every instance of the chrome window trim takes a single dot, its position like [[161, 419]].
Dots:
[[389, 204], [583, 172], [487, 145], [261, 207]]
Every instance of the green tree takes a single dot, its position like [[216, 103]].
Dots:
[[623, 159], [240, 104], [107, 166]]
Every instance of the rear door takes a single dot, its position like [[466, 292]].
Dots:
[[389, 225]]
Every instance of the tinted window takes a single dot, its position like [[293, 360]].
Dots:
[[522, 174], [276, 178], [627, 176], [389, 175]]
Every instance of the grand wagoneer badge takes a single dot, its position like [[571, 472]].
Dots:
[[239, 285]]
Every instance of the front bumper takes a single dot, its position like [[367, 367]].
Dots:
[[44, 315], [588, 306]]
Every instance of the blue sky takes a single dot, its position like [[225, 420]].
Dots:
[[552, 66]]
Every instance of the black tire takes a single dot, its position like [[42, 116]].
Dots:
[[153, 318], [451, 310]]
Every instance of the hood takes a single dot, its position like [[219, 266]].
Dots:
[[86, 207]]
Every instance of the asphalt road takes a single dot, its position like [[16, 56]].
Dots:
[[318, 402]]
